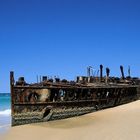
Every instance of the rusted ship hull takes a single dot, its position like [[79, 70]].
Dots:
[[34, 103], [46, 112], [30, 113], [51, 100]]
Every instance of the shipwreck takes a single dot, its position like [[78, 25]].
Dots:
[[52, 99]]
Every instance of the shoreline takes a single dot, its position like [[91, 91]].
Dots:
[[5, 123], [117, 123]]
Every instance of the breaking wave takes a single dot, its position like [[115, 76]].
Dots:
[[6, 112]]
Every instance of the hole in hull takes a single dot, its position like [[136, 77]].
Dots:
[[46, 113]]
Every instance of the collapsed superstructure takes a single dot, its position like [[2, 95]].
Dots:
[[52, 99]]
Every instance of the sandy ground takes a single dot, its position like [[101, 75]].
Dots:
[[118, 123]]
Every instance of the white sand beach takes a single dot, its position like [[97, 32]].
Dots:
[[118, 123]]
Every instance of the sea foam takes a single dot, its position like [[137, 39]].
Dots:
[[6, 112]]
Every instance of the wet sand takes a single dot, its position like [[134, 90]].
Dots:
[[118, 123]]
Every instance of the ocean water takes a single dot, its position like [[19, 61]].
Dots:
[[5, 112]]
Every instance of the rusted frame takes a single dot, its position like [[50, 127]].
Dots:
[[12, 91]]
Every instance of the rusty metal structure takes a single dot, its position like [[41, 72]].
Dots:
[[52, 99]]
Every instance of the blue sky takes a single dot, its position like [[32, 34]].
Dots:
[[63, 37]]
